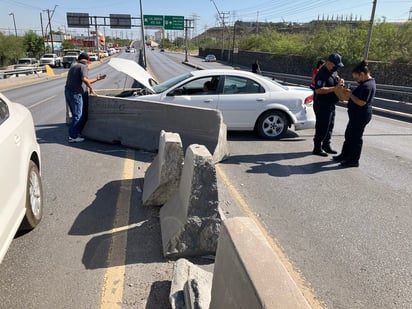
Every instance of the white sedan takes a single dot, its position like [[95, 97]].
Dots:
[[21, 195], [247, 101]]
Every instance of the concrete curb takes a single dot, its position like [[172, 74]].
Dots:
[[163, 175], [190, 220], [248, 273]]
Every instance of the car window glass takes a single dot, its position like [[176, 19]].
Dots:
[[241, 85], [201, 86], [4, 111]]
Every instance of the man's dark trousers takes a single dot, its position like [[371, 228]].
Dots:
[[325, 121]]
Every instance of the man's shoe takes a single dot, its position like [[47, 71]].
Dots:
[[76, 140], [328, 149], [338, 158], [319, 152], [349, 164]]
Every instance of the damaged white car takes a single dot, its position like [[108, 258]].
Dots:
[[247, 101]]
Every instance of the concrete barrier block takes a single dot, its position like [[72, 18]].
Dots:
[[248, 273], [191, 286], [137, 124], [162, 177], [190, 220]]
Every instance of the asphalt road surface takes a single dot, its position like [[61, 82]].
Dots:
[[344, 234]]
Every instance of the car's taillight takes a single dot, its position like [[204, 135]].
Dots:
[[309, 100]]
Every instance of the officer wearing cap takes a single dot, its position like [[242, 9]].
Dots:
[[325, 99], [77, 96]]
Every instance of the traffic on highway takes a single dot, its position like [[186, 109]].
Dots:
[[344, 235]]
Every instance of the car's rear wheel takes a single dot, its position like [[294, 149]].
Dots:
[[34, 198], [272, 125]]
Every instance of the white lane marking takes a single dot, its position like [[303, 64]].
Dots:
[[42, 101]]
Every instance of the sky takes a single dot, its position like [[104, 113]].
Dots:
[[205, 12]]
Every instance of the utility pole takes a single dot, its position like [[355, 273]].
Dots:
[[222, 18], [368, 40], [50, 26]]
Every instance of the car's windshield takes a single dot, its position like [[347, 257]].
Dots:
[[48, 56], [171, 82], [24, 61]]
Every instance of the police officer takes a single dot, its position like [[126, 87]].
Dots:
[[360, 103], [324, 104]]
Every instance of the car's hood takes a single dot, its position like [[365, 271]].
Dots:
[[134, 70]]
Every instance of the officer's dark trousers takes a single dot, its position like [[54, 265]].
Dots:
[[325, 121], [352, 147]]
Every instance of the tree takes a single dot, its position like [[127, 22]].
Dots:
[[11, 49], [34, 44]]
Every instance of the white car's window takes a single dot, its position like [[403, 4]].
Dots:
[[201, 86], [4, 111], [171, 82], [241, 85]]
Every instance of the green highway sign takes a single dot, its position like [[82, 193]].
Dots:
[[153, 20], [174, 23]]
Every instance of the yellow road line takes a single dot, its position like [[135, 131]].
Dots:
[[112, 290], [307, 292]]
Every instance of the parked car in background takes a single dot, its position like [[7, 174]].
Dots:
[[130, 50], [111, 51], [247, 101], [51, 59], [210, 58], [24, 63], [93, 57], [21, 193], [103, 54]]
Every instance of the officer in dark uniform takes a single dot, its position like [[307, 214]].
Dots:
[[324, 104], [360, 103]]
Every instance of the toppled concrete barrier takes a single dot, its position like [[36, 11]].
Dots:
[[137, 124], [248, 273], [191, 286], [190, 220], [163, 175]]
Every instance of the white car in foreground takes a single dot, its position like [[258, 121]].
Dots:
[[247, 101], [21, 195]]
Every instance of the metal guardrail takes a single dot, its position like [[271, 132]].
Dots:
[[22, 71], [393, 101], [399, 93]]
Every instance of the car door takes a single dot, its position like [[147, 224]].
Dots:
[[11, 186], [194, 93], [241, 101]]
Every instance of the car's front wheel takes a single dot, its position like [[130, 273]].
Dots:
[[272, 125], [34, 198]]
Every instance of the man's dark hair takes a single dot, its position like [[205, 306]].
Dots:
[[362, 67]]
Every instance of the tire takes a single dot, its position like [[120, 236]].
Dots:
[[34, 198], [272, 125]]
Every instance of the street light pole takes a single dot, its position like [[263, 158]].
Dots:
[[14, 22], [368, 40], [143, 40]]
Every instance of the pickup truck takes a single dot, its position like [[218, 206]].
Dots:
[[69, 58], [51, 59]]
